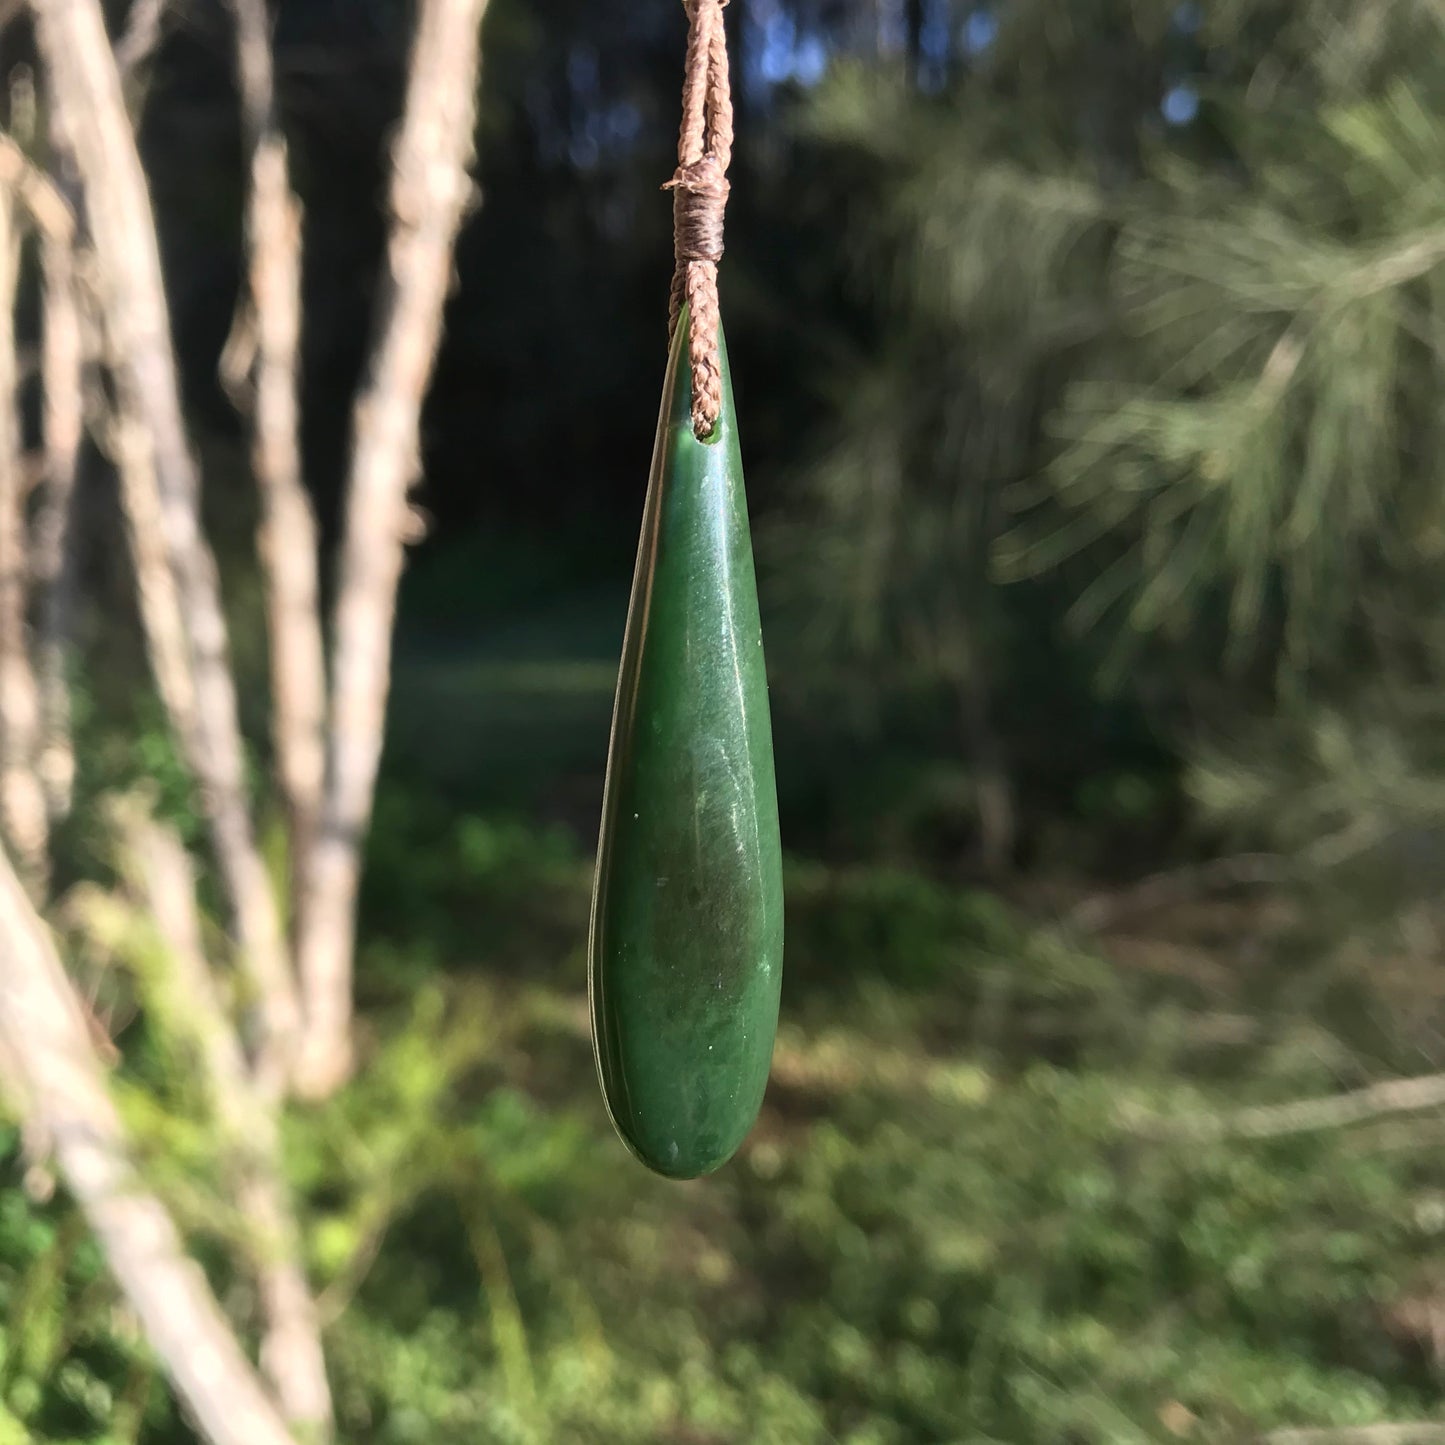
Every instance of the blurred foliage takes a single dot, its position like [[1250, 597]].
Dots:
[[1137, 429], [949, 1224]]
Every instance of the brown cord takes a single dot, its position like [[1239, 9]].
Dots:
[[699, 195]]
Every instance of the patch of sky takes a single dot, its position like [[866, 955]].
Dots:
[[1180, 104], [980, 31], [624, 122], [582, 70], [810, 60], [934, 36], [774, 55], [780, 50]]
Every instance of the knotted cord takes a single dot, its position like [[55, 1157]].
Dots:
[[699, 189]]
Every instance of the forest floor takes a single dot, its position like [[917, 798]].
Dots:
[[1004, 1186], [1010, 1183]]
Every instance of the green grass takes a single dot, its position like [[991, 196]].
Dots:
[[946, 1226], [515, 712]]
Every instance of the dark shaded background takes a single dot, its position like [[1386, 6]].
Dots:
[[539, 424]]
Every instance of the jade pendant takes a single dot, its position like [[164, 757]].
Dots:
[[686, 943]]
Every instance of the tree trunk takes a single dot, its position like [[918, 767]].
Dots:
[[86, 91], [46, 1034], [62, 365], [288, 543], [62, 360], [430, 191], [291, 1354], [23, 816]]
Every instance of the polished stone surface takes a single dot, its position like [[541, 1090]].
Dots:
[[685, 952]]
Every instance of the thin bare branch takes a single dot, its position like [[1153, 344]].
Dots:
[[47, 206], [1306, 1116], [62, 361], [46, 1033], [62, 378], [1178, 885], [86, 91], [291, 1353], [271, 318], [141, 35], [23, 816], [158, 597], [430, 192], [1422, 1433]]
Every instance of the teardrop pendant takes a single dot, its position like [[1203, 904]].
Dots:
[[686, 941]]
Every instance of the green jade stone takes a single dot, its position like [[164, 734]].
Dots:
[[686, 945]]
